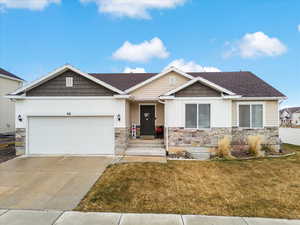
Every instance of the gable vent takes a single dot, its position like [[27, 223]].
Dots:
[[69, 81]]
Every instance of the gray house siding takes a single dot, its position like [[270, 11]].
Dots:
[[81, 87], [197, 90]]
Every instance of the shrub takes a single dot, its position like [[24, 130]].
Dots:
[[254, 143], [224, 148]]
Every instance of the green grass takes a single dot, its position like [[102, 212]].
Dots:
[[256, 188]]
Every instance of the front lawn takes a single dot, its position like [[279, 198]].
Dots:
[[255, 188]]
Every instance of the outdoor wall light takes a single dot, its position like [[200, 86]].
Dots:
[[119, 117], [20, 118]]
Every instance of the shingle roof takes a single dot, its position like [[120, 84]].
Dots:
[[123, 81], [8, 74], [242, 83]]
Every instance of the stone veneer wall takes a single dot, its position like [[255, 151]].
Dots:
[[270, 137], [20, 141], [181, 137], [121, 140], [186, 138]]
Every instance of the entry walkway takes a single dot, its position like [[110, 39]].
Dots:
[[30, 217]]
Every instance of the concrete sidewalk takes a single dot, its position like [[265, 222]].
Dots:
[[31, 217]]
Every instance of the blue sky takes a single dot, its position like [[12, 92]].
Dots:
[[261, 36]]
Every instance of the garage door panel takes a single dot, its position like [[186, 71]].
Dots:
[[71, 135]]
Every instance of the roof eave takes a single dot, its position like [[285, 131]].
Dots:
[[11, 78]]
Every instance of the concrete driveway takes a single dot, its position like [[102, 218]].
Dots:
[[54, 183]]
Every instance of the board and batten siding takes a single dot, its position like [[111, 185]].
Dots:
[[159, 86], [81, 87], [271, 113], [7, 107]]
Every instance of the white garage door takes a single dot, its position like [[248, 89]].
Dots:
[[71, 135]]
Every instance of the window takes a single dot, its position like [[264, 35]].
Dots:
[[69, 81], [251, 116], [197, 115]]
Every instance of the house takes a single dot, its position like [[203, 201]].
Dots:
[[290, 116], [8, 83], [72, 112]]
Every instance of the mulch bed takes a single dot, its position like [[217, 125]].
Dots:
[[245, 154]]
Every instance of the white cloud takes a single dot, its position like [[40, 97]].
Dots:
[[142, 52], [133, 8], [256, 44], [191, 66], [27, 4], [134, 70], [298, 27]]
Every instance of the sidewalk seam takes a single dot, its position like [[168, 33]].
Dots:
[[245, 220], [4, 212], [58, 217], [119, 222], [182, 220]]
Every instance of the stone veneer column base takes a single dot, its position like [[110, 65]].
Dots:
[[121, 140], [180, 137], [20, 141]]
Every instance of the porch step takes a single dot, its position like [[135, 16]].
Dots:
[[143, 141], [145, 151], [140, 143], [145, 145]]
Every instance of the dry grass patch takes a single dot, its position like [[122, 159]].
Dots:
[[260, 188]]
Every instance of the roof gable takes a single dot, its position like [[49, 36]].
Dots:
[[60, 71], [158, 87], [82, 86], [198, 89], [201, 80], [157, 76]]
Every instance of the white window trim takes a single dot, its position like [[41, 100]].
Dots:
[[251, 103], [197, 103]]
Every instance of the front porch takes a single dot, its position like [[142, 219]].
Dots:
[[146, 123], [147, 118]]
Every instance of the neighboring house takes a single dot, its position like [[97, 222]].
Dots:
[[290, 116], [8, 83], [72, 112]]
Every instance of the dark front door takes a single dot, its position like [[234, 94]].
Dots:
[[147, 115]]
